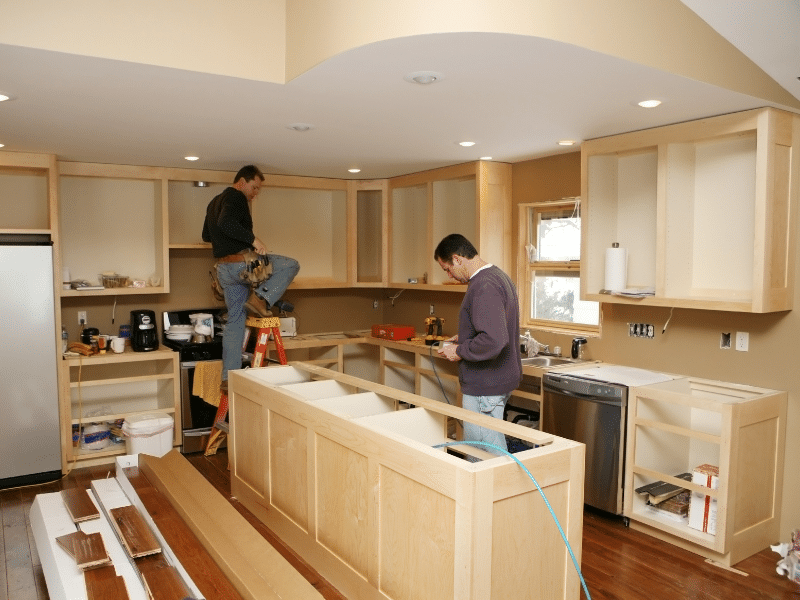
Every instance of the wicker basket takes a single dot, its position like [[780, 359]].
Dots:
[[114, 281]]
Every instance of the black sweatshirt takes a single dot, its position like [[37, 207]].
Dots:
[[229, 225]]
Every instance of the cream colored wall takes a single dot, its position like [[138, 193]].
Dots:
[[238, 38], [277, 40], [691, 344]]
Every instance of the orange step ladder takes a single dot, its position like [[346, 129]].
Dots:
[[266, 326]]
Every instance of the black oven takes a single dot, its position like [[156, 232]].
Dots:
[[197, 415]]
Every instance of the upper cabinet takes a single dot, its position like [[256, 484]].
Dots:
[[705, 210], [28, 193], [473, 199]]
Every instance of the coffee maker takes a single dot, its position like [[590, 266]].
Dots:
[[144, 333]]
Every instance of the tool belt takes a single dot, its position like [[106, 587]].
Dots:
[[257, 268]]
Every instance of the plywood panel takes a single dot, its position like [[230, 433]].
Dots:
[[250, 451], [342, 503], [757, 448], [518, 520], [288, 448], [416, 540]]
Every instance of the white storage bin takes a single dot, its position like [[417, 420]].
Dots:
[[148, 434]]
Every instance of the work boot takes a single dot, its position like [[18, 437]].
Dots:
[[256, 307]]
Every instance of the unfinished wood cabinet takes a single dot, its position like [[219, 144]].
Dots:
[[359, 489], [473, 199], [681, 424], [107, 387], [706, 210]]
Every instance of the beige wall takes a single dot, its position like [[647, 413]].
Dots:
[[691, 344]]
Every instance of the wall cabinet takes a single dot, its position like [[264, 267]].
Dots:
[[473, 199], [107, 387], [678, 425], [706, 210]]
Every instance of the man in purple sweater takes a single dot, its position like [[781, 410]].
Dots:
[[487, 344]]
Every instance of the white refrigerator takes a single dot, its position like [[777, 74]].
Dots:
[[30, 443]]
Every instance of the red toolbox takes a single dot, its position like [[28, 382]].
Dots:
[[391, 331]]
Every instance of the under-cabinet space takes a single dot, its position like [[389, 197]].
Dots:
[[23, 200]]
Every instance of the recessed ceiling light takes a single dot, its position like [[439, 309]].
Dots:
[[423, 77], [299, 126], [192, 157], [354, 170], [566, 142], [466, 144], [2, 145], [200, 184], [3, 98], [486, 158], [649, 103]]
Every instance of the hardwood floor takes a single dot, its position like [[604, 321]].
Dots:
[[618, 563]]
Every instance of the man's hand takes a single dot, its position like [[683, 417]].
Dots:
[[448, 351], [259, 246]]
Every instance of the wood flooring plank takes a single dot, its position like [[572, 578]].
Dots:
[[196, 561], [105, 584], [87, 549], [133, 531], [79, 506], [161, 580]]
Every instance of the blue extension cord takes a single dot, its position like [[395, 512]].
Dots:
[[538, 487]]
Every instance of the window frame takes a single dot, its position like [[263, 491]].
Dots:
[[526, 270]]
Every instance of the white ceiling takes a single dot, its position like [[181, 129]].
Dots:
[[515, 96]]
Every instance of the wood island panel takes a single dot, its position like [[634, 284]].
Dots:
[[358, 489]]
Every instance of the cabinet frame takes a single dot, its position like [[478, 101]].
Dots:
[[667, 153], [166, 366], [746, 428]]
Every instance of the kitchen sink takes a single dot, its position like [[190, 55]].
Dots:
[[547, 361]]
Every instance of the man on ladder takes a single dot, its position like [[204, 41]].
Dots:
[[246, 275]]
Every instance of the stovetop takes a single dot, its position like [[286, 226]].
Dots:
[[194, 351]]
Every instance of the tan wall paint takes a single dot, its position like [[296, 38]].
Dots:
[[691, 344], [276, 40], [239, 38]]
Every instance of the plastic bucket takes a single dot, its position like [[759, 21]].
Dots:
[[148, 434]]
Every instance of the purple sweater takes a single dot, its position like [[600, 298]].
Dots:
[[488, 335]]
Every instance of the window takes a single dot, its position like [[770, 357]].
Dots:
[[550, 268]]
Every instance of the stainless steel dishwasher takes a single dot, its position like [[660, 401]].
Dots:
[[594, 413]]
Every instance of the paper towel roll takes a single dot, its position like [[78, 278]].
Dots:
[[616, 269]]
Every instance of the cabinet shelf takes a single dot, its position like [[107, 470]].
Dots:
[[125, 415], [120, 380]]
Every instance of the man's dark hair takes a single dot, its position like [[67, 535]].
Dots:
[[455, 243], [249, 173]]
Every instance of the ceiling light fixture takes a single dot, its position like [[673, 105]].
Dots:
[[423, 77], [2, 145], [299, 127], [649, 103], [466, 144], [354, 170], [3, 98], [192, 157], [200, 184], [566, 143], [486, 158]]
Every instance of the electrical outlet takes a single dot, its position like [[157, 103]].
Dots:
[[82, 317], [742, 341], [374, 304], [431, 309], [644, 330]]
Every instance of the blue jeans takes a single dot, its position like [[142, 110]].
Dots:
[[237, 292], [492, 406]]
